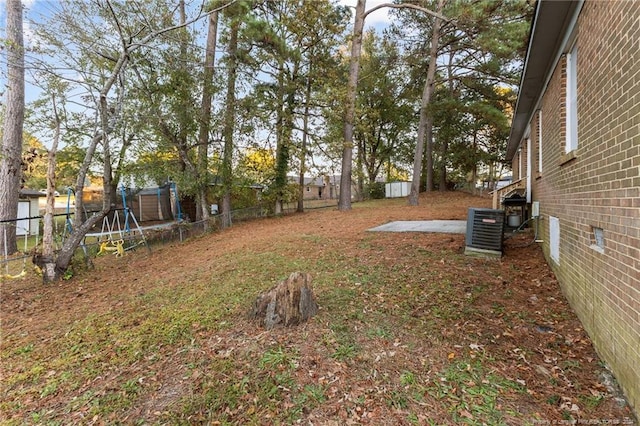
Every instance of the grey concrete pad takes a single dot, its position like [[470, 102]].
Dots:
[[439, 226]]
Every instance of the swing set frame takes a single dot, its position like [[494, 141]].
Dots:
[[114, 234]]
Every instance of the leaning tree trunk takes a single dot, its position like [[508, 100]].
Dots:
[[11, 153], [80, 225]]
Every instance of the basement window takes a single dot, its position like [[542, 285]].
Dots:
[[597, 239]]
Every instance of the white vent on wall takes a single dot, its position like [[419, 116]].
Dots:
[[554, 238], [597, 239]]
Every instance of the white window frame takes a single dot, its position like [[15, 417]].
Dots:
[[571, 101], [529, 168], [520, 163]]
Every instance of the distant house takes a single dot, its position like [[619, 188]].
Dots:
[[319, 188], [242, 196], [575, 143]]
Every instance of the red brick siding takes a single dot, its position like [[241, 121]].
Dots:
[[601, 186]]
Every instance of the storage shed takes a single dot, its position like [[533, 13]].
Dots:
[[153, 204], [28, 208], [397, 189]]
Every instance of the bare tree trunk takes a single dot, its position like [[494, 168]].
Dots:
[[11, 154], [474, 170], [444, 146], [426, 98], [344, 203], [360, 195], [203, 136], [229, 122], [48, 265], [202, 210], [281, 145], [444, 149], [285, 132], [303, 148], [429, 155]]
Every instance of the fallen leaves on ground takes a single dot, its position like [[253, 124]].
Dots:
[[410, 331]]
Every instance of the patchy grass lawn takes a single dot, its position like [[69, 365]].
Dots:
[[410, 331]]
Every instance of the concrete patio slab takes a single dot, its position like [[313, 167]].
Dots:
[[437, 226]]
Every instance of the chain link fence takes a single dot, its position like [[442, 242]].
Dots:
[[15, 265]]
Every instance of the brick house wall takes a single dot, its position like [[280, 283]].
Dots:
[[312, 192], [590, 197]]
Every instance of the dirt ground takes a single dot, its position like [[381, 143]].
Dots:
[[518, 323]]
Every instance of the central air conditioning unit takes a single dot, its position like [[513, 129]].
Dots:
[[485, 228]]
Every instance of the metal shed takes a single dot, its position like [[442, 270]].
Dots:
[[153, 204], [28, 207]]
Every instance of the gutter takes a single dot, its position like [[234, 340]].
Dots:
[[551, 30]]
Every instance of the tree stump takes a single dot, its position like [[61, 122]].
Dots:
[[289, 303]]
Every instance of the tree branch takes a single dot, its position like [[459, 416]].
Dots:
[[409, 6]]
